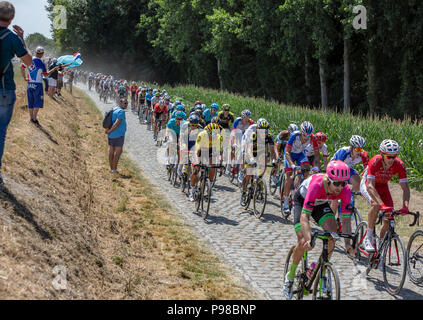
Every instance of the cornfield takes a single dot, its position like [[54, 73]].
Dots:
[[338, 126]]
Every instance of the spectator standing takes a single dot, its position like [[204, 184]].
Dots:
[[35, 85], [11, 44], [116, 134], [52, 80]]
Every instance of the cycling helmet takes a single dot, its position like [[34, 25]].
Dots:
[[245, 113], [197, 102], [177, 102], [307, 127], [149, 89], [262, 124], [180, 108], [357, 142], [212, 126], [214, 106], [193, 119], [157, 94], [321, 137], [180, 115], [389, 147], [292, 127], [338, 170], [226, 107]]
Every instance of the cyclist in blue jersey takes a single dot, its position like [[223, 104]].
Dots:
[[173, 130], [210, 113]]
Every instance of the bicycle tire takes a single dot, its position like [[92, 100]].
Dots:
[[272, 190], [332, 278], [199, 199], [415, 258], [396, 239], [175, 178], [356, 219], [207, 192], [249, 197], [259, 195], [169, 173], [298, 286], [360, 232]]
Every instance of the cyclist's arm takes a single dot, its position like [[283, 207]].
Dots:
[[288, 156], [405, 193], [371, 189], [305, 227]]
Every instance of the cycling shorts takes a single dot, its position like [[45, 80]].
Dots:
[[300, 158], [319, 214]]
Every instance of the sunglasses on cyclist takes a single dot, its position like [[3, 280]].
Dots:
[[178, 119], [358, 149], [389, 157], [338, 183]]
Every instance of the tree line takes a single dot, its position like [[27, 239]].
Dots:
[[303, 52]]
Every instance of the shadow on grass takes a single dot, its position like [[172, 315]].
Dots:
[[22, 210], [43, 130]]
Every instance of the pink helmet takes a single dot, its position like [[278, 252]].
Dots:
[[338, 170]]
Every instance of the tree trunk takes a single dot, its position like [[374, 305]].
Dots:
[[307, 78], [371, 75], [323, 85], [347, 93], [219, 73]]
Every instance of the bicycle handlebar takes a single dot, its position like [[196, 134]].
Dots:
[[416, 216]]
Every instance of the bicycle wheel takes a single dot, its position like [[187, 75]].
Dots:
[[273, 188], [360, 232], [259, 198], [199, 203], [415, 257], [175, 176], [207, 199], [394, 264], [356, 219], [327, 285], [250, 193], [298, 286]]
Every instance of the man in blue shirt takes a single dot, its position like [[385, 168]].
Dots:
[[116, 134], [11, 44]]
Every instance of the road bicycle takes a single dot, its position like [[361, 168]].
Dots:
[[415, 256], [156, 133], [279, 179], [298, 175], [390, 251], [202, 195], [257, 191], [322, 281]]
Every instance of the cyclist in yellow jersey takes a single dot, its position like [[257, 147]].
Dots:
[[207, 146]]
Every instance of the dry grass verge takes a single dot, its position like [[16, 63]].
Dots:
[[115, 236]]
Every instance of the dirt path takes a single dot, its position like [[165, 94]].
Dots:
[[255, 248]]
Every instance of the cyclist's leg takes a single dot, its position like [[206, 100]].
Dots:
[[386, 197], [354, 180]]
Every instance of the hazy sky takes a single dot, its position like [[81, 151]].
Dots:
[[31, 16]]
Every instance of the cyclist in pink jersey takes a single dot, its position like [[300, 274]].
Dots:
[[313, 199], [374, 187]]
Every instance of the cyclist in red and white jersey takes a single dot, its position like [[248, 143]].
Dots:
[[374, 187]]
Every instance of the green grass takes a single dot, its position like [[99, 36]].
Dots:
[[339, 127]]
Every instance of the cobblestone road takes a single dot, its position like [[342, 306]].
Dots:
[[255, 248]]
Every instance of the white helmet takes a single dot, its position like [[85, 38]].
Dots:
[[357, 142], [389, 147], [292, 127]]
